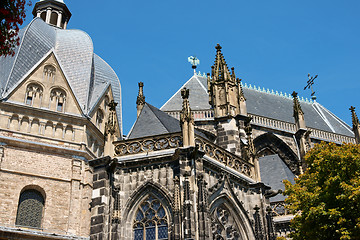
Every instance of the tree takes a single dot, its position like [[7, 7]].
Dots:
[[12, 14], [326, 198]]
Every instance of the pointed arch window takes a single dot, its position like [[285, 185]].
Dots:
[[30, 209], [150, 220]]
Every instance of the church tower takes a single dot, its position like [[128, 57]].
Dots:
[[60, 108], [53, 12]]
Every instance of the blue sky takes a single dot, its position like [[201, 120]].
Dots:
[[271, 43]]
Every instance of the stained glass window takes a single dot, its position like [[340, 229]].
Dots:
[[150, 220], [30, 209]]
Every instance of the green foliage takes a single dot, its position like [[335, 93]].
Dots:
[[326, 198], [12, 14]]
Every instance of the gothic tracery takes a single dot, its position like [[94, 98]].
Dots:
[[223, 225], [150, 221]]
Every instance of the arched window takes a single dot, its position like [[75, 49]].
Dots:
[[49, 72], [53, 18], [150, 220], [30, 209], [57, 98], [33, 91], [43, 16]]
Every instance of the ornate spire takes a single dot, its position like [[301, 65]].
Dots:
[[220, 70], [225, 93], [140, 100], [53, 12], [187, 120], [356, 124]]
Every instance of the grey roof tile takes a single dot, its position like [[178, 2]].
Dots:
[[273, 171], [75, 51], [152, 121], [263, 104], [36, 40], [198, 91]]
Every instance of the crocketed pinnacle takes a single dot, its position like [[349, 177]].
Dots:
[[220, 70], [355, 120], [297, 107], [185, 115], [140, 100]]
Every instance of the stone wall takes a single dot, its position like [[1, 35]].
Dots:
[[63, 180]]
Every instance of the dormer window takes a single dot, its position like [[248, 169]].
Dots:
[[57, 100], [33, 94]]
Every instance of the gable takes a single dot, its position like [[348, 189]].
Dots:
[[46, 87]]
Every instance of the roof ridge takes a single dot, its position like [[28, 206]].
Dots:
[[276, 93], [336, 118], [321, 114]]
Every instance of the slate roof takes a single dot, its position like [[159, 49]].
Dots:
[[198, 98], [152, 121], [273, 171], [264, 104], [87, 74]]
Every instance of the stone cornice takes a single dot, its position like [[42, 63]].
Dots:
[[49, 148]]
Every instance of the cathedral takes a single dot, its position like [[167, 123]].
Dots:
[[208, 164]]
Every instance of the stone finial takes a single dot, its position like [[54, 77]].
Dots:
[[218, 47], [297, 107], [187, 120], [140, 100], [356, 124], [185, 93]]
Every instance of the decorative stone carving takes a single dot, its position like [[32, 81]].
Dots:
[[223, 225], [110, 125]]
